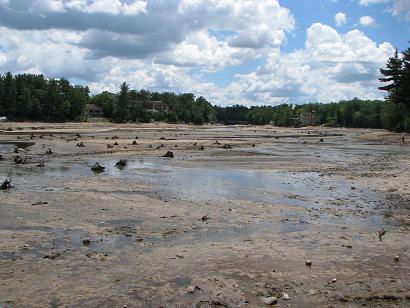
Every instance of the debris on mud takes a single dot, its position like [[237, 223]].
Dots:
[[86, 241], [226, 146], [39, 203], [121, 163], [81, 145], [49, 152], [97, 256], [97, 168], [53, 255], [6, 185], [18, 160], [169, 154], [201, 148], [381, 233], [192, 289]]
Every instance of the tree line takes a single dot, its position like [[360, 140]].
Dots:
[[34, 97]]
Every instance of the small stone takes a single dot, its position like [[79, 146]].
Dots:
[[308, 262], [312, 292], [286, 296], [334, 280], [270, 300], [396, 258]]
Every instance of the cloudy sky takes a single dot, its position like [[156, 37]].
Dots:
[[230, 51]]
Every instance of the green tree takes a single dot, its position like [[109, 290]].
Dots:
[[122, 105]]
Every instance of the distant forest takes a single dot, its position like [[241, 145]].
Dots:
[[33, 97]]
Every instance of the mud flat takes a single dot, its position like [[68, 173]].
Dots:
[[234, 218]]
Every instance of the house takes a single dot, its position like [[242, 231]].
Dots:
[[93, 111], [156, 106], [309, 119]]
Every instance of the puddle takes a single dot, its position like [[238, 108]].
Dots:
[[202, 184]]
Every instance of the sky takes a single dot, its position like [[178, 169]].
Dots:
[[249, 52]]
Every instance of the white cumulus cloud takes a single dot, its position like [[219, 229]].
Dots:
[[340, 19], [367, 21]]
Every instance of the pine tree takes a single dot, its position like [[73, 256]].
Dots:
[[122, 103], [393, 75]]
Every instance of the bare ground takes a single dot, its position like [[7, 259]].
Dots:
[[218, 226]]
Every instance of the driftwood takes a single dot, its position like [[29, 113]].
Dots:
[[169, 154], [121, 163], [97, 168], [6, 185]]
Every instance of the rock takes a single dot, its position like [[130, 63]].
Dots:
[[312, 292], [86, 241], [192, 289], [270, 300], [334, 280], [396, 258], [121, 163], [97, 168], [134, 142], [6, 185], [285, 296], [169, 154], [115, 143], [308, 262]]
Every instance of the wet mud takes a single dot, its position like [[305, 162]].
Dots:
[[212, 227]]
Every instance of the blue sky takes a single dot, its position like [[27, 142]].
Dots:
[[251, 52]]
